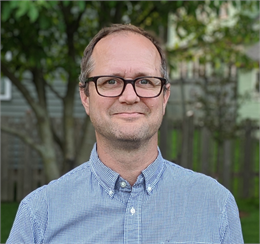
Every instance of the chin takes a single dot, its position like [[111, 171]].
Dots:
[[129, 144], [132, 141]]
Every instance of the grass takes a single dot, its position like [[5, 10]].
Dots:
[[249, 210], [8, 211]]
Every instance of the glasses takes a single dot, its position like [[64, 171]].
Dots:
[[114, 86]]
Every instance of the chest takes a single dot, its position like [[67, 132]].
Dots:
[[133, 217]]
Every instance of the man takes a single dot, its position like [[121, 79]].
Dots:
[[126, 192]]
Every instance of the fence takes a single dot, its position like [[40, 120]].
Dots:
[[186, 144]]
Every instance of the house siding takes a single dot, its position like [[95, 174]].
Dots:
[[17, 106]]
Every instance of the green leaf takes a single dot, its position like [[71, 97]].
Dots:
[[23, 7], [14, 4], [6, 13], [33, 13], [81, 5], [66, 3]]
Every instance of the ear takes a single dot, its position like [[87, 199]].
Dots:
[[166, 96], [84, 100]]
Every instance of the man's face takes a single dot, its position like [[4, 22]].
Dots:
[[128, 118]]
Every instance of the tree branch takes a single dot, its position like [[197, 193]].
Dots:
[[146, 16], [57, 138], [36, 108], [118, 12], [76, 23], [53, 90], [39, 85], [27, 139]]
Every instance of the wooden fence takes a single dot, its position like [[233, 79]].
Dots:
[[185, 144]]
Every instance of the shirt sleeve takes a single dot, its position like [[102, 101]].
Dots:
[[231, 231], [31, 220]]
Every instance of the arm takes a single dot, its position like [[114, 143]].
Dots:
[[30, 221], [230, 231]]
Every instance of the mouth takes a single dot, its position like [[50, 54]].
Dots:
[[128, 115]]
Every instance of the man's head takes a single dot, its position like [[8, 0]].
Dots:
[[128, 106], [87, 63]]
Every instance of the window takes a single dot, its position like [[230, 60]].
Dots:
[[6, 88]]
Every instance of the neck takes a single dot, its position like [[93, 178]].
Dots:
[[128, 159]]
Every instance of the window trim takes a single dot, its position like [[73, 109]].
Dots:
[[7, 93]]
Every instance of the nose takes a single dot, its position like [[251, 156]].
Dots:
[[129, 96]]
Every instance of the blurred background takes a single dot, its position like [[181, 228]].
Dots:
[[212, 119]]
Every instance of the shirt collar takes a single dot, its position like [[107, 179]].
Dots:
[[153, 172], [108, 178]]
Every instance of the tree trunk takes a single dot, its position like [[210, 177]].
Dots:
[[68, 132], [48, 150], [87, 141]]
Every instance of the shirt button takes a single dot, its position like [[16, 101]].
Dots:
[[149, 188], [110, 192], [132, 211], [123, 184]]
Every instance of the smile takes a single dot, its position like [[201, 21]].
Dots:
[[129, 115]]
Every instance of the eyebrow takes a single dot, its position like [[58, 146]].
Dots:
[[139, 74]]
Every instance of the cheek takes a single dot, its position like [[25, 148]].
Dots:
[[157, 106], [99, 106]]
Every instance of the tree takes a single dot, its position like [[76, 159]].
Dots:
[[47, 38]]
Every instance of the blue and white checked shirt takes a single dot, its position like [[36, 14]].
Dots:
[[93, 204]]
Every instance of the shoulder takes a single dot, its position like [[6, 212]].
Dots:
[[76, 175], [196, 184], [189, 176], [65, 183]]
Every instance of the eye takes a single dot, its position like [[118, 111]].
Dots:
[[111, 82], [144, 82]]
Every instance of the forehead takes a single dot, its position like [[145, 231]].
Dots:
[[125, 52]]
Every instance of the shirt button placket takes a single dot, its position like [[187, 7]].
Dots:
[[132, 228]]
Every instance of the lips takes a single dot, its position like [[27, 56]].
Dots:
[[128, 115], [129, 111]]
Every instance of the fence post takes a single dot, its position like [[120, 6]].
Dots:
[[226, 170], [247, 161], [27, 170], [205, 150], [187, 141]]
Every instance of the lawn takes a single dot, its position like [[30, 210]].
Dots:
[[8, 211], [249, 211]]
